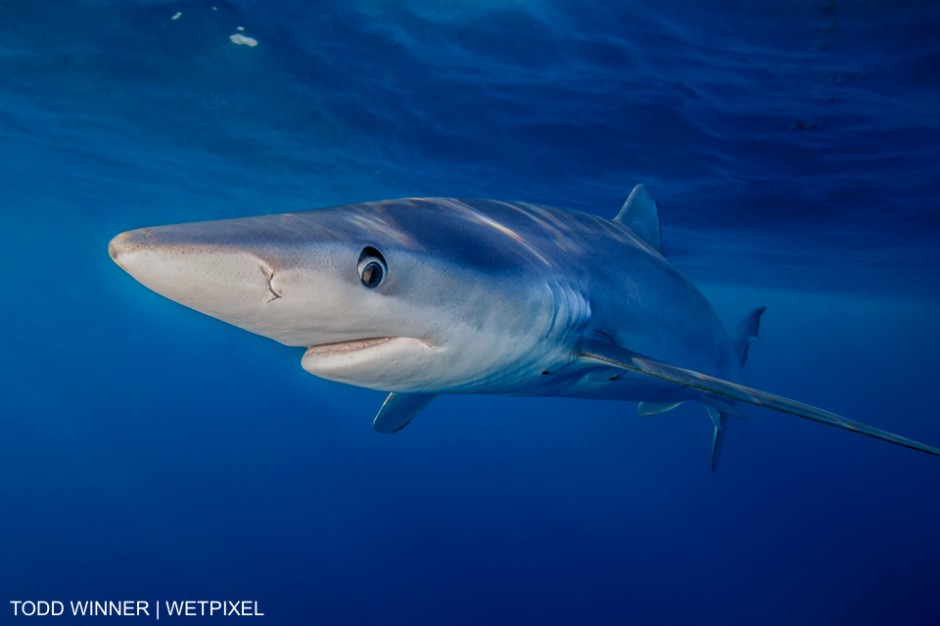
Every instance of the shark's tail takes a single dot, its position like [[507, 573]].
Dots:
[[744, 334]]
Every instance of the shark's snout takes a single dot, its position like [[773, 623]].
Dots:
[[215, 277], [114, 248], [118, 246], [123, 247]]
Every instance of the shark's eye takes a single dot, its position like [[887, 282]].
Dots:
[[372, 274], [372, 268]]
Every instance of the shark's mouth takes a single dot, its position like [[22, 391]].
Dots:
[[346, 347], [377, 362]]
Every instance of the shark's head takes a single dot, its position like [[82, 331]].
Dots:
[[413, 295]]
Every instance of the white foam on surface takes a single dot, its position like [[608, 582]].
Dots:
[[243, 40]]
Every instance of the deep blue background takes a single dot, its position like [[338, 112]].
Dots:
[[150, 452]]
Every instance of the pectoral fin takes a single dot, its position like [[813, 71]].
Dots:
[[614, 356], [399, 409]]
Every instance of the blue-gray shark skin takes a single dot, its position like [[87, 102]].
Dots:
[[426, 296]]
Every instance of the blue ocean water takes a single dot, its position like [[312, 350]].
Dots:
[[148, 452]]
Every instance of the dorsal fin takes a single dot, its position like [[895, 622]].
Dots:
[[640, 213], [746, 332]]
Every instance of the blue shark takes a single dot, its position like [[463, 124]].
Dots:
[[420, 297]]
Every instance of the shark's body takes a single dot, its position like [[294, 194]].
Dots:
[[420, 297]]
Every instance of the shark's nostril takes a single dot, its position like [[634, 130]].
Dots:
[[275, 294]]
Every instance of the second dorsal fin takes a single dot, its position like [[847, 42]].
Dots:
[[641, 215]]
